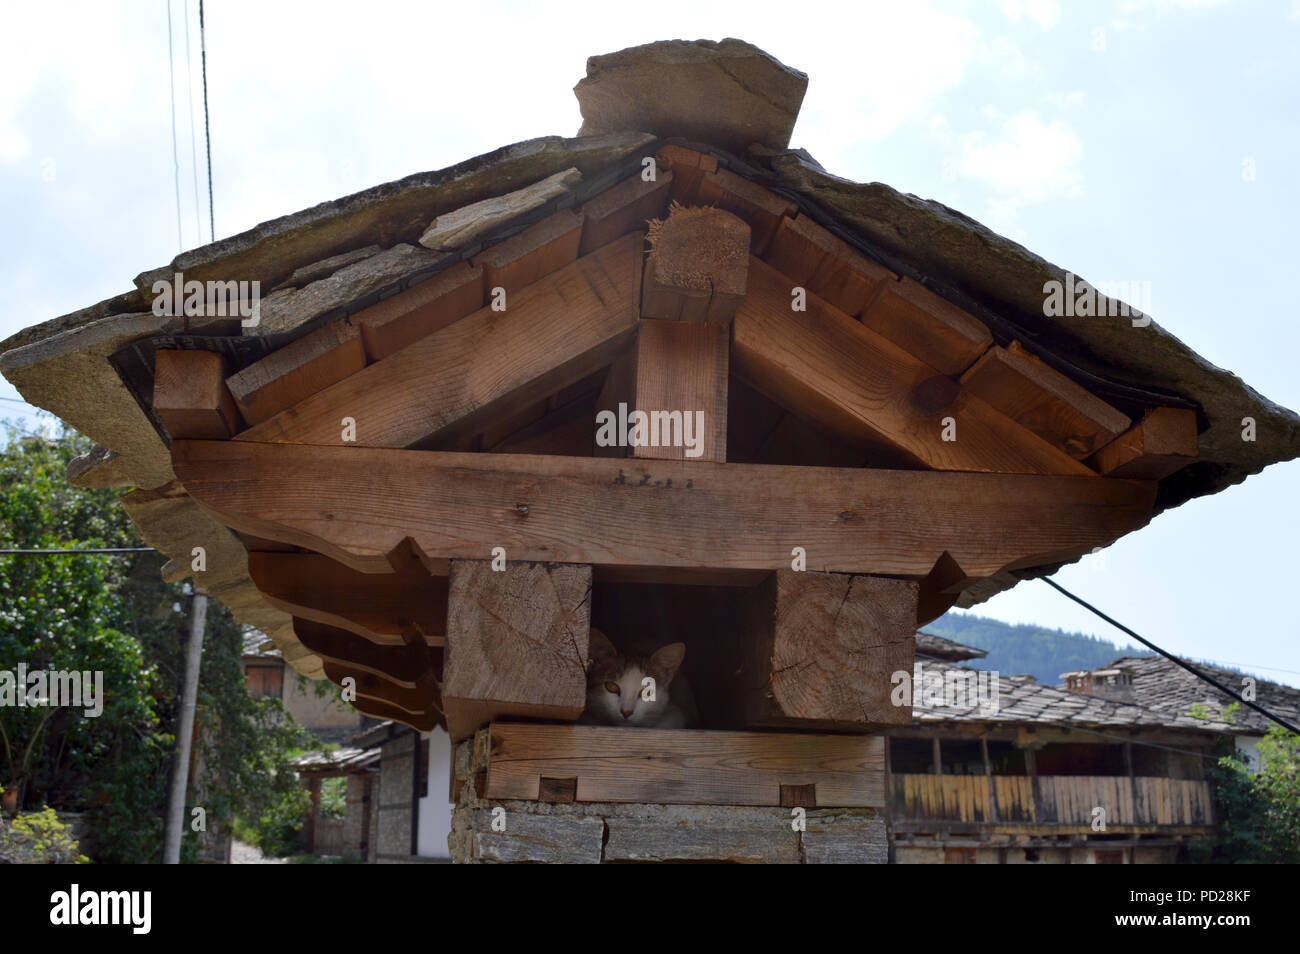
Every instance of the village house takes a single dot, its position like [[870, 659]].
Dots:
[[395, 474]]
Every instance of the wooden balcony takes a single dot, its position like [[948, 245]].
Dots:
[[1049, 800]]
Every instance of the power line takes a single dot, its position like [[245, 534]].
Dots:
[[79, 550], [189, 96], [176, 161], [207, 132], [1171, 657]]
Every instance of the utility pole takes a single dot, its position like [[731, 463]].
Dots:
[[175, 822]]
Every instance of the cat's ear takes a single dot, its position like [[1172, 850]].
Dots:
[[667, 658], [599, 648]]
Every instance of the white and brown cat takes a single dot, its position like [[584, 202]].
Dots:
[[617, 691]]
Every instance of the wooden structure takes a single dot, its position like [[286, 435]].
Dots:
[[622, 368]]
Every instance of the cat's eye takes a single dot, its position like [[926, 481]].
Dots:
[[611, 686]]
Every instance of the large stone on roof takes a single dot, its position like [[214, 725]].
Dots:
[[730, 94]]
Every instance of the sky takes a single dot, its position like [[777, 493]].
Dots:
[[1155, 141]]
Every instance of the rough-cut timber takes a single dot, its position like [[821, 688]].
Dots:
[[1042, 399], [408, 316], [553, 333], [682, 369], [730, 93], [761, 208], [298, 370], [826, 265], [688, 168], [359, 504], [698, 262], [516, 643], [190, 396], [825, 366], [817, 651], [397, 664], [685, 767], [623, 208], [1163, 442], [534, 253], [378, 606], [926, 326]]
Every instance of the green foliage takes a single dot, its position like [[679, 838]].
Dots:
[[1036, 650], [1258, 814], [115, 614], [38, 838], [334, 797]]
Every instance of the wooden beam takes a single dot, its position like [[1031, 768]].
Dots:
[[377, 606], [684, 767], [358, 504], [623, 208], [688, 169], [411, 700], [682, 368], [926, 326], [1040, 398], [825, 366], [516, 643], [697, 266], [761, 208], [553, 333], [817, 651], [825, 264], [1163, 442], [190, 396], [397, 664], [298, 370], [532, 254], [619, 387], [418, 312], [940, 589], [378, 709]]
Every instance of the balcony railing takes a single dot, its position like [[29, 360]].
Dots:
[[1050, 799]]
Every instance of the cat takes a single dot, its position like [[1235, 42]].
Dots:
[[616, 695]]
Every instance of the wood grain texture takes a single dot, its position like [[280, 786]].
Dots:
[[818, 650], [929, 327], [516, 643], [685, 767], [682, 366], [377, 606], [298, 370], [358, 504], [190, 396], [825, 366], [697, 267], [405, 318], [1163, 442], [688, 168], [825, 264], [623, 208], [1043, 400], [484, 366], [759, 207], [396, 663], [533, 254]]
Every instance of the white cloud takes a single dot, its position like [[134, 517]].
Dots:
[[1046, 13], [1026, 161]]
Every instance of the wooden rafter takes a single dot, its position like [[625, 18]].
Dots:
[[359, 504]]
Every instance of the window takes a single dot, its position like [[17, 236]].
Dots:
[[911, 756], [959, 856], [264, 682]]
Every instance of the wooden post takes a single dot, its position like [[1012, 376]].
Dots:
[[819, 650], [681, 384], [697, 267], [190, 396], [309, 836], [516, 643], [938, 757], [988, 777]]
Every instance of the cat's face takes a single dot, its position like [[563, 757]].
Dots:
[[615, 683]]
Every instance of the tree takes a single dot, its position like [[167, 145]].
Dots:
[[1258, 813]]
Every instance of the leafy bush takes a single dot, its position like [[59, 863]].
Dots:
[[38, 838]]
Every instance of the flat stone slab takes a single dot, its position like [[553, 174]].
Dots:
[[730, 94]]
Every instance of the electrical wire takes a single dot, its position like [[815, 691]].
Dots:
[[189, 96], [6, 552], [207, 131]]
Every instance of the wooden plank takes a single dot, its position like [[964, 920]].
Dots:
[[411, 700], [397, 664], [378, 709], [825, 366], [1040, 398], [377, 606], [358, 504], [688, 168], [1163, 442], [685, 767], [405, 318], [817, 651], [623, 208], [928, 327], [761, 208], [619, 387], [698, 262], [190, 396], [516, 643], [489, 364], [682, 368], [826, 265], [298, 370], [532, 254]]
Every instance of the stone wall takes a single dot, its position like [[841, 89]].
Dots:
[[396, 800], [595, 833]]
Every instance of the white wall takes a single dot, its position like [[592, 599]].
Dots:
[[435, 809]]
